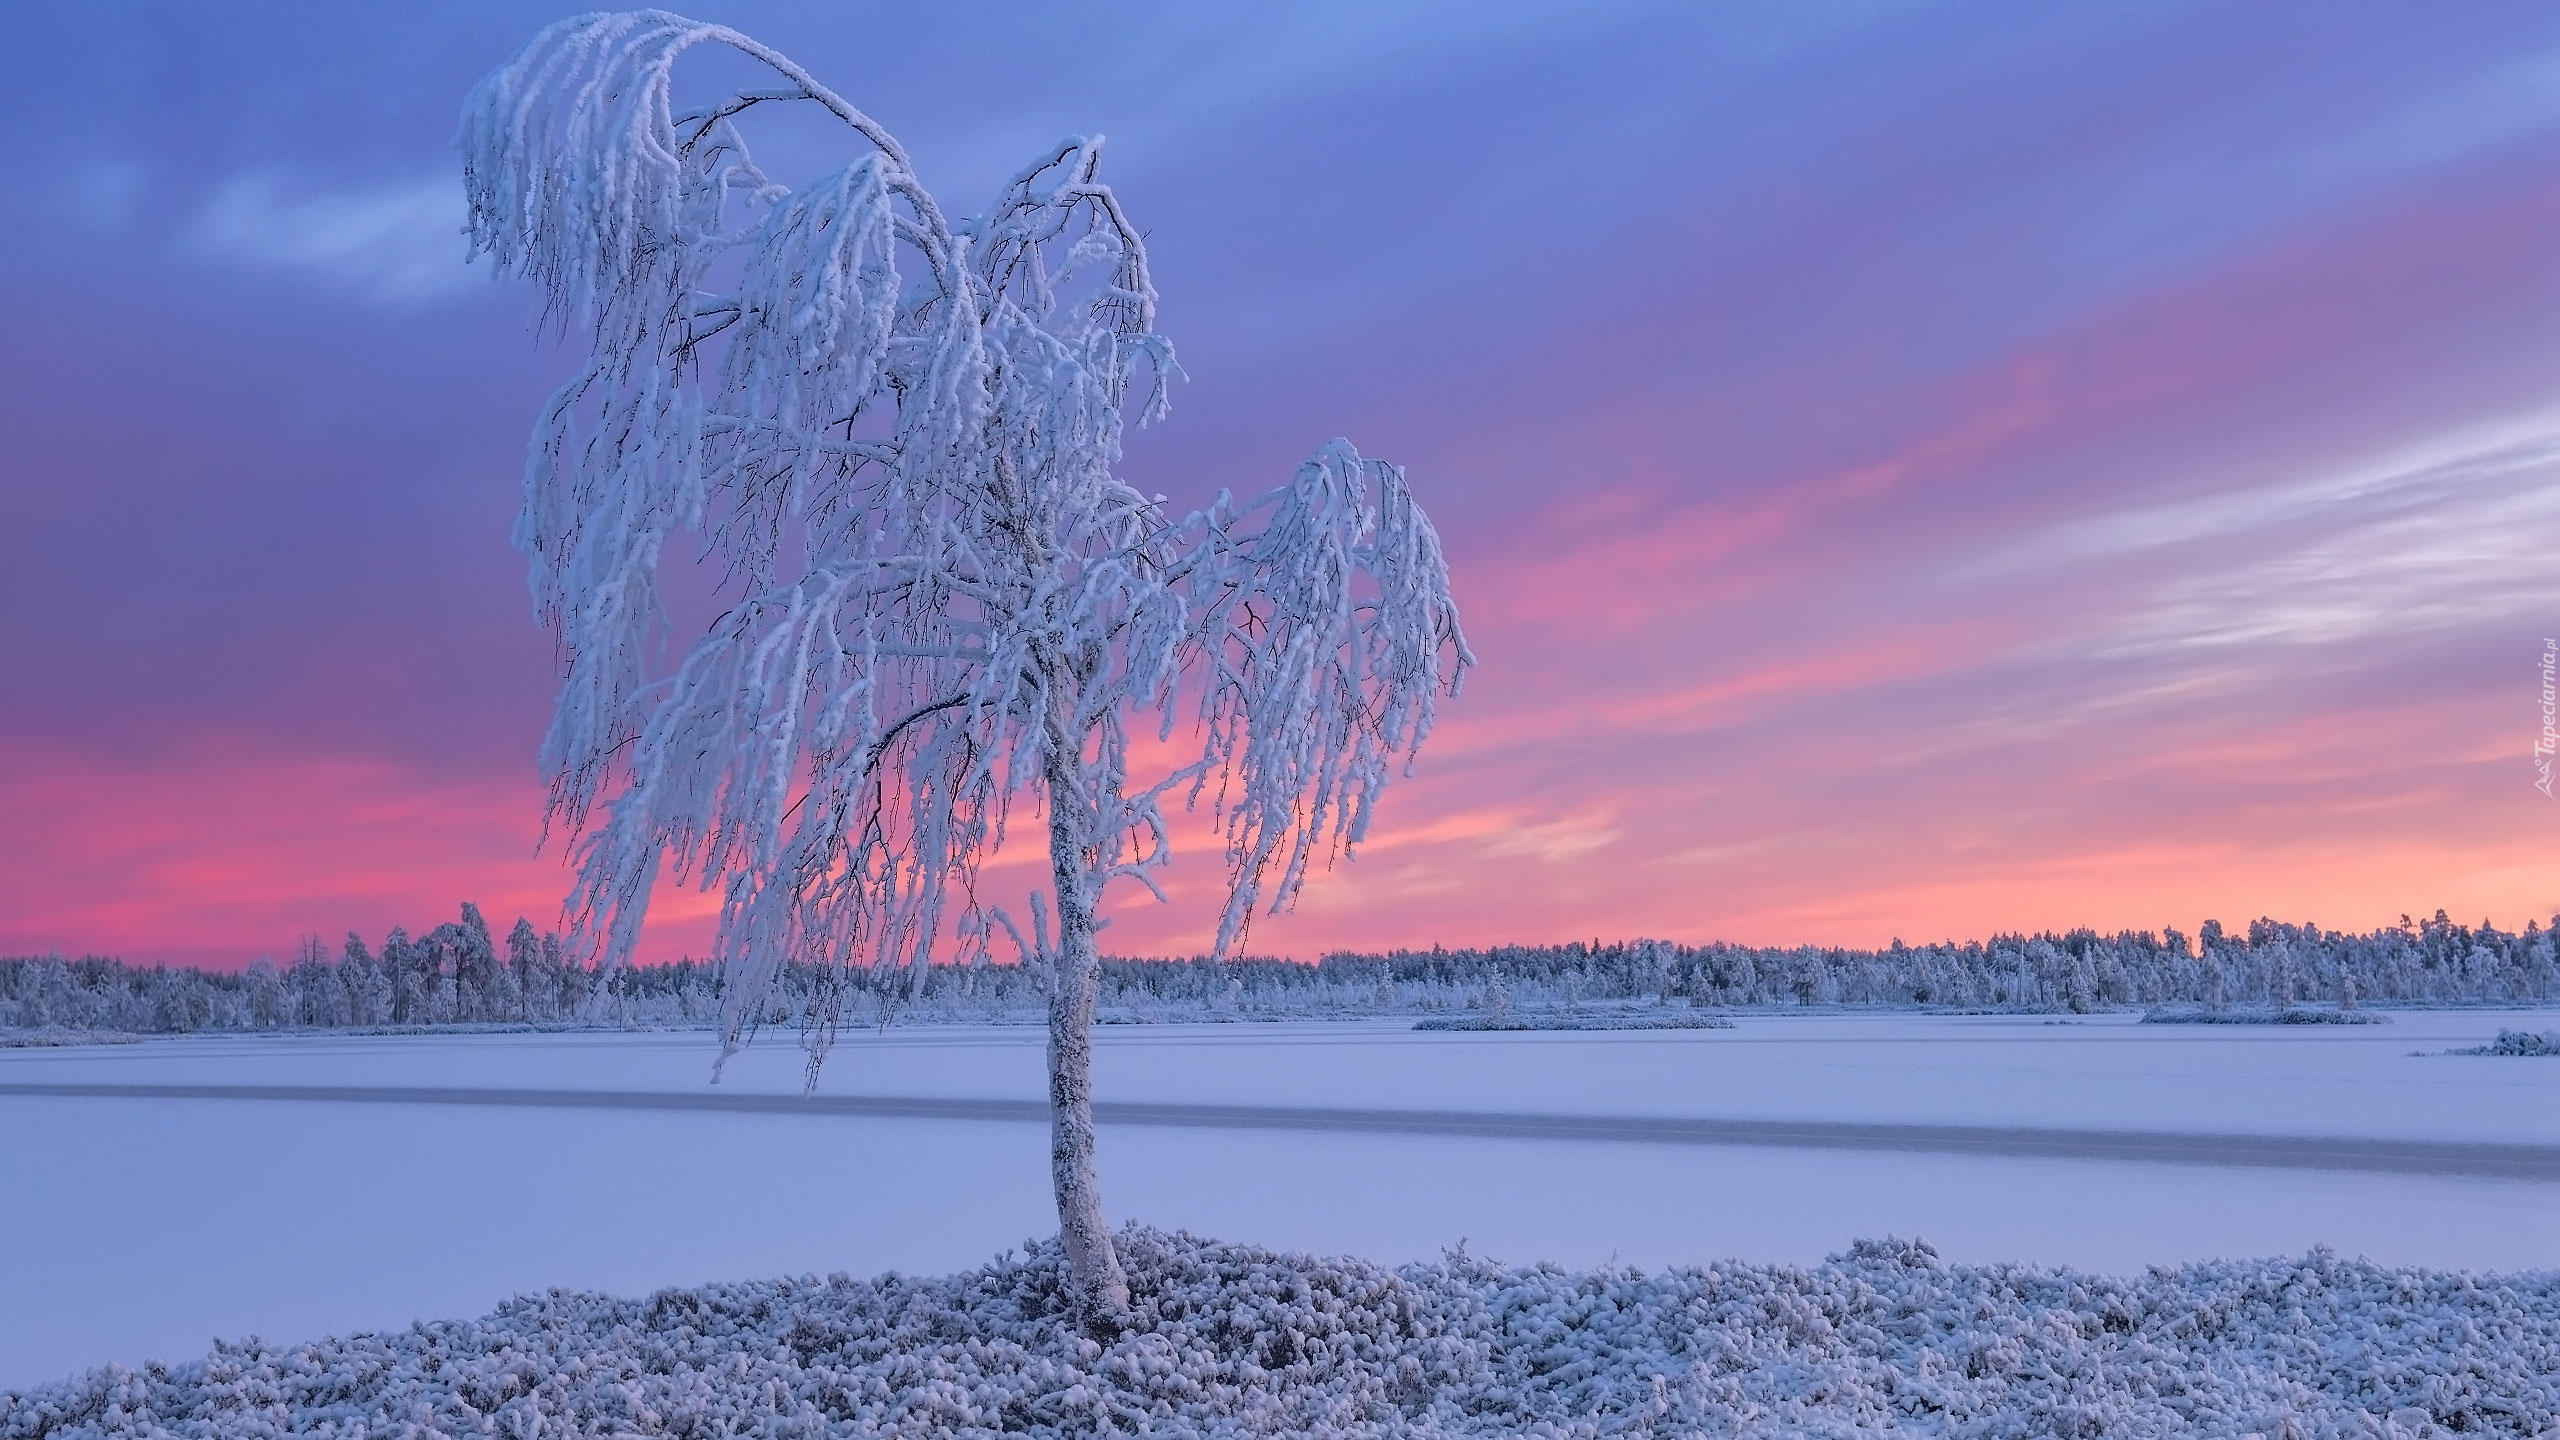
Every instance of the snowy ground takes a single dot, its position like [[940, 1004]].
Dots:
[[134, 1228], [1227, 1340]]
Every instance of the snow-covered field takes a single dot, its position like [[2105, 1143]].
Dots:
[[135, 1227]]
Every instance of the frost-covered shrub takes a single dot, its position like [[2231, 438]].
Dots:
[[1587, 1020], [2290, 1015], [2519, 1042], [1234, 1340], [53, 1035]]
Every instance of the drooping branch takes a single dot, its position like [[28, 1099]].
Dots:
[[1326, 635]]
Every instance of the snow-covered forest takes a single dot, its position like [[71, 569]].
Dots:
[[461, 973]]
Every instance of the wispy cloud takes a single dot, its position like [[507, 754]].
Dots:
[[2483, 109], [2481, 552], [2457, 529], [397, 244]]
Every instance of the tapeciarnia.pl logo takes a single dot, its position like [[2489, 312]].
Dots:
[[2543, 746]]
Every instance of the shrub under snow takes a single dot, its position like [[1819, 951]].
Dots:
[[2519, 1042], [1603, 1020], [2290, 1015], [1229, 1339], [56, 1035]]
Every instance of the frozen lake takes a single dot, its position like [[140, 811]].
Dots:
[[295, 1185]]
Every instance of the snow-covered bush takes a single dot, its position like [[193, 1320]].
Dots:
[[1233, 1340], [43, 1036], [2287, 1015], [2519, 1042], [1579, 1020]]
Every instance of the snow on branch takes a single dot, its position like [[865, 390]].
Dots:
[[1323, 631]]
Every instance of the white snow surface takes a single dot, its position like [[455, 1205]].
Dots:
[[136, 1229], [1235, 1340]]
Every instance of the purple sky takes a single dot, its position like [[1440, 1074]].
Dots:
[[1909, 469]]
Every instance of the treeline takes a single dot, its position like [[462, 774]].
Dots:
[[454, 974], [2432, 962], [459, 974]]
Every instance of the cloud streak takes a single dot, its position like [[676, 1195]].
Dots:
[[2456, 531], [398, 244]]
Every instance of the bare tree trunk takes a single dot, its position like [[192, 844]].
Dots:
[[1093, 1266]]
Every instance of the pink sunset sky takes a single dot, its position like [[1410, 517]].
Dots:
[[1908, 470]]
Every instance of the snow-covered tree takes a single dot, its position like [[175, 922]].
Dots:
[[47, 995], [895, 433], [409, 979], [485, 989], [366, 989], [314, 983], [269, 1003], [536, 988]]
